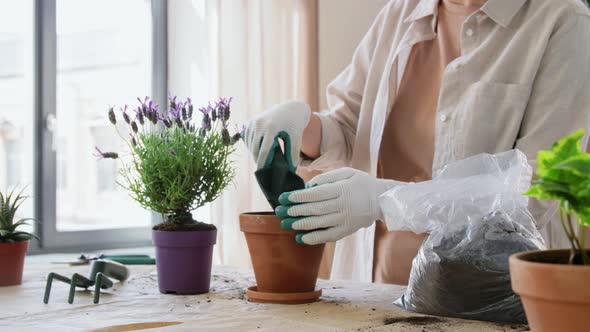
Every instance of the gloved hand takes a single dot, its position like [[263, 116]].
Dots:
[[288, 121], [333, 205]]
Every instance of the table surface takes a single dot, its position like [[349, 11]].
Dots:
[[136, 304]]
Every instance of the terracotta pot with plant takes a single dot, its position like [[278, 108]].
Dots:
[[13, 243], [174, 166], [286, 271], [552, 283]]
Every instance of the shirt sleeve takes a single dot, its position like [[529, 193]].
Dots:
[[344, 97], [559, 104]]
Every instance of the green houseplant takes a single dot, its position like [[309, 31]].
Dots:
[[176, 164], [13, 242], [551, 282]]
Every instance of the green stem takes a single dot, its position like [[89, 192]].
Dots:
[[568, 234], [573, 232], [583, 251]]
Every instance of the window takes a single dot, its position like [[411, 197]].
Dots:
[[16, 102], [14, 156], [62, 64], [100, 62]]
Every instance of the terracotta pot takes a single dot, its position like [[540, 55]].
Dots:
[[555, 295], [12, 262], [281, 265]]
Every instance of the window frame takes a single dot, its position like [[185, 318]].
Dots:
[[45, 186]]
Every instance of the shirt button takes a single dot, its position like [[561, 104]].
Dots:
[[444, 118], [469, 32]]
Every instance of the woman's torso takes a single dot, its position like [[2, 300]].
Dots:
[[407, 147], [483, 96]]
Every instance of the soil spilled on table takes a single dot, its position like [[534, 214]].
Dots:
[[416, 321], [430, 323]]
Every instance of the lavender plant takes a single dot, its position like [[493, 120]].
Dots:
[[177, 163]]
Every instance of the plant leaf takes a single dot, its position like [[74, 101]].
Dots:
[[22, 236], [17, 224], [583, 216], [578, 165], [562, 150]]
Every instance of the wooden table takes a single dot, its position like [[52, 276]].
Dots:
[[136, 304]]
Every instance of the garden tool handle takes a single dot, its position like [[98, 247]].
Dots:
[[109, 268], [130, 259]]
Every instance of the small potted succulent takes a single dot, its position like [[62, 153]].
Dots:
[[553, 283], [174, 166], [13, 243]]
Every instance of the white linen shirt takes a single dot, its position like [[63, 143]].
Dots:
[[521, 81]]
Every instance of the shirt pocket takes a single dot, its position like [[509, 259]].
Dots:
[[493, 116]]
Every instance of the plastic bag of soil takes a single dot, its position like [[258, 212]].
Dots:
[[476, 217]]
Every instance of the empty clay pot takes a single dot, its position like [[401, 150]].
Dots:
[[554, 294], [183, 261], [12, 261], [281, 265]]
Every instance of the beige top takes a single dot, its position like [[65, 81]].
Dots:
[[408, 138], [520, 82]]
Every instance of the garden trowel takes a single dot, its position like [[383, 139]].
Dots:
[[278, 175]]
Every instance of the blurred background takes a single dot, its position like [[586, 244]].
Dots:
[[64, 62]]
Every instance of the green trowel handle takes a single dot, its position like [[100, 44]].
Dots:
[[109, 268], [130, 259]]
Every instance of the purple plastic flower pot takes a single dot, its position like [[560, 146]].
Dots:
[[183, 260]]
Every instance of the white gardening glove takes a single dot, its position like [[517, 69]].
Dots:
[[334, 205], [287, 120]]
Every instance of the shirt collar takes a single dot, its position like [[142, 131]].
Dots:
[[501, 11], [424, 9]]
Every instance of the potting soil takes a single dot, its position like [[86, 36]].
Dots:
[[462, 271], [278, 178]]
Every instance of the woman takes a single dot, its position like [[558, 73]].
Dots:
[[432, 81]]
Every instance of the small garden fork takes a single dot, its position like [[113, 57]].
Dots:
[[100, 272]]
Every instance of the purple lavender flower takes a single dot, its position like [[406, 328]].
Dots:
[[133, 141], [206, 125], [144, 103], [112, 117], [179, 123], [125, 115], [225, 137], [134, 127], [205, 110], [190, 108], [153, 115], [139, 116], [105, 155], [223, 105], [167, 123], [175, 113], [184, 113], [236, 137], [172, 101], [214, 114], [149, 109]]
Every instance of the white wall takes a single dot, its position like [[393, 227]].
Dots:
[[342, 24]]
